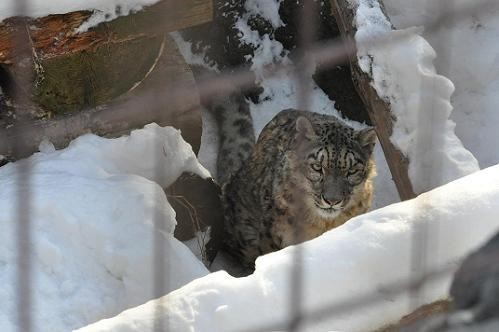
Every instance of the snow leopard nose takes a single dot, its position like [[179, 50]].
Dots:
[[331, 200], [335, 190]]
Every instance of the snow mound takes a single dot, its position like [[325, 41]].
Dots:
[[360, 257], [93, 207], [468, 54], [404, 75], [104, 10]]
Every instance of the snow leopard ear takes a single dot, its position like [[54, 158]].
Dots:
[[367, 138], [305, 128]]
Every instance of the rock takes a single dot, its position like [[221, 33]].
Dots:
[[476, 283], [475, 293]]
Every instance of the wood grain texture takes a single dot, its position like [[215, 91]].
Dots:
[[55, 35], [379, 110]]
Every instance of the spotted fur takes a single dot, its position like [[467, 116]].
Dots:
[[237, 136], [306, 174]]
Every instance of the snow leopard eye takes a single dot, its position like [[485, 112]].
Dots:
[[316, 167], [351, 172], [354, 177]]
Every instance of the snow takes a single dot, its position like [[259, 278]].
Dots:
[[344, 263], [267, 51], [467, 51], [46, 146], [404, 75], [185, 48], [104, 10], [268, 9], [93, 209]]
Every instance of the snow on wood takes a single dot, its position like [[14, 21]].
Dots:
[[404, 77], [57, 32], [378, 108]]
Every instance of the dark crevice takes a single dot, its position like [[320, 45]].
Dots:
[[6, 82]]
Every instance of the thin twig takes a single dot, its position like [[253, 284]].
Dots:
[[195, 223]]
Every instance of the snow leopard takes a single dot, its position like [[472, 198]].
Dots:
[[307, 173]]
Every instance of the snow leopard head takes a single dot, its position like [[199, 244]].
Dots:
[[334, 161]]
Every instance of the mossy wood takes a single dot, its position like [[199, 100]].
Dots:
[[107, 80], [74, 70], [379, 110], [149, 101]]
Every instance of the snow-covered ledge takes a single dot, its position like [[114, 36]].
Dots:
[[403, 75], [361, 257]]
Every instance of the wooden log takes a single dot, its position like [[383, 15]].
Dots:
[[149, 102], [73, 71], [56, 35], [378, 109]]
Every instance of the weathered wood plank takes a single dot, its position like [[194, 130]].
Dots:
[[56, 35], [378, 109]]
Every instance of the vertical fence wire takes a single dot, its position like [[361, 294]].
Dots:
[[160, 278], [302, 72], [162, 250], [23, 226], [429, 135]]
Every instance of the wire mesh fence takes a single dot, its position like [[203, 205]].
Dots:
[[328, 54]]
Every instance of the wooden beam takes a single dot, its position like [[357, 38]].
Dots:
[[379, 110], [56, 35]]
